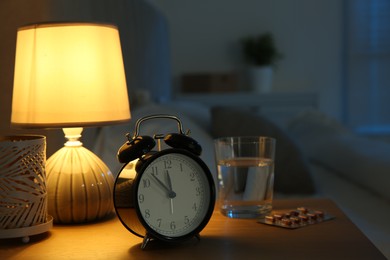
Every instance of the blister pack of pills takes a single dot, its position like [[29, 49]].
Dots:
[[300, 217]]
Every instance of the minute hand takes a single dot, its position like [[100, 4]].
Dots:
[[171, 194], [169, 182]]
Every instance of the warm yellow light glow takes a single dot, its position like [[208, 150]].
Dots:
[[69, 74]]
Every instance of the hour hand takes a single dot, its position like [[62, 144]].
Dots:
[[171, 194]]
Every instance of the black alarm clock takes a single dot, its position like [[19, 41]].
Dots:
[[165, 194]]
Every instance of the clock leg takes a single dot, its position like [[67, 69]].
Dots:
[[145, 242]]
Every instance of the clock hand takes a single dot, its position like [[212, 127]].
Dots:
[[171, 194], [170, 187], [171, 205], [169, 182]]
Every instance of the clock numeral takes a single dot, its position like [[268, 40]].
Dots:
[[173, 225], [168, 164], [197, 191], [154, 170], [186, 220], [192, 176], [147, 213], [159, 220], [141, 198], [181, 167], [194, 207], [146, 183]]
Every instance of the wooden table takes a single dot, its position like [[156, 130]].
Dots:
[[222, 238]]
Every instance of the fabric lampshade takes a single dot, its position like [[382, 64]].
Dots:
[[69, 75]]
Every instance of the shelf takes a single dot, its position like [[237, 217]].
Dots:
[[278, 106]]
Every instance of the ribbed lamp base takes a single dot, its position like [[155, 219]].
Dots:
[[79, 186]]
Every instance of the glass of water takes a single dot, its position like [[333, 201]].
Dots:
[[245, 175]]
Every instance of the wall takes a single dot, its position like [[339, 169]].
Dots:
[[205, 36], [15, 13]]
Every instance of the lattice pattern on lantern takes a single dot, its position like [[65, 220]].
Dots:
[[23, 195]]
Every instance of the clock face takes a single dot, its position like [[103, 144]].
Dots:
[[175, 195]]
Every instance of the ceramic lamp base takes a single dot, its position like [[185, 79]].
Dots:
[[79, 185]]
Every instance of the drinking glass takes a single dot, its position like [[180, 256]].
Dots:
[[245, 175]]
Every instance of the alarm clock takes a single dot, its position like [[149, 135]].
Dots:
[[163, 194]]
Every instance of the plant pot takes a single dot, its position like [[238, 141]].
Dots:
[[260, 79]]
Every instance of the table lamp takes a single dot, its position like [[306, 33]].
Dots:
[[71, 75]]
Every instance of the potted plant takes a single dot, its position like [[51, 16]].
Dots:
[[261, 54]]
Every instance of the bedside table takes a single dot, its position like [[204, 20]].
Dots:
[[222, 238]]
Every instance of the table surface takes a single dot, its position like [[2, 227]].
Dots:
[[222, 238]]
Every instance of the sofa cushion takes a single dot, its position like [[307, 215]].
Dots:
[[360, 160]]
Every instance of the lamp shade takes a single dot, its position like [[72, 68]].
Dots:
[[69, 75]]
